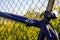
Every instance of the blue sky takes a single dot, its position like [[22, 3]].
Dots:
[[20, 7]]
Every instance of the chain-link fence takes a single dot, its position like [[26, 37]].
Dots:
[[20, 7], [12, 30]]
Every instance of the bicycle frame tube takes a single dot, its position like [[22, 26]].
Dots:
[[19, 18]]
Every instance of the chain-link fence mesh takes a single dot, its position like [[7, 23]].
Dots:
[[20, 7], [12, 30]]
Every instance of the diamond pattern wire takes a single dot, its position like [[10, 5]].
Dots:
[[21, 7]]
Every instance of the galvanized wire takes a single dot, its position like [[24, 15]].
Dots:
[[20, 7]]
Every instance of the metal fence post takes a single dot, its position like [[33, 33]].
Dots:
[[50, 5]]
